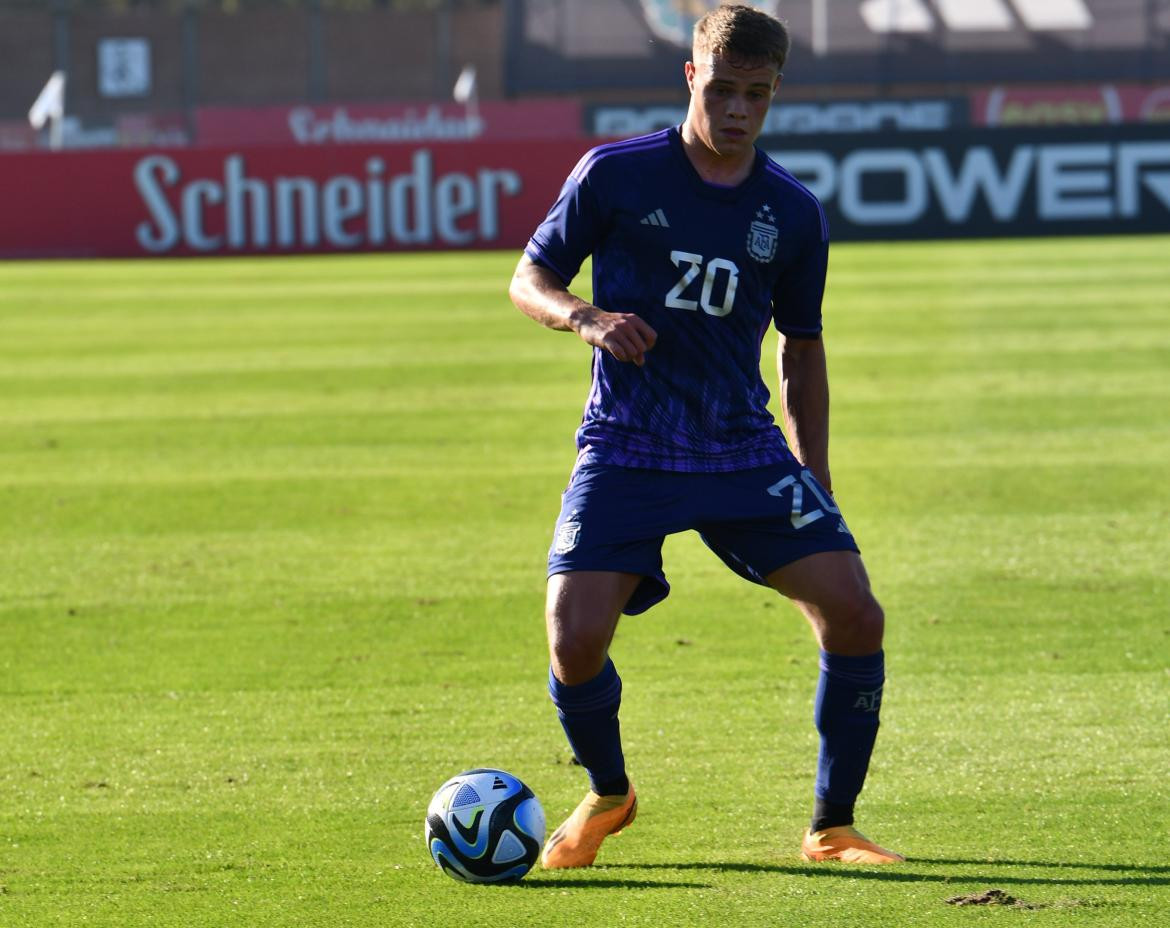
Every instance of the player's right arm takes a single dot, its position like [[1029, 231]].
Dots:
[[540, 294]]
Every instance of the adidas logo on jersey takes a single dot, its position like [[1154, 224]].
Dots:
[[656, 218]]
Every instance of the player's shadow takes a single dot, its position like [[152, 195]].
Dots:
[[1056, 864], [903, 873], [535, 884]]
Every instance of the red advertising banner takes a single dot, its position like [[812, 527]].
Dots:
[[273, 200], [1099, 104], [381, 123], [152, 130]]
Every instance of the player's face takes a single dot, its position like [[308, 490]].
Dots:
[[729, 101]]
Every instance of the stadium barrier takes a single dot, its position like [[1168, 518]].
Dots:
[[287, 200]]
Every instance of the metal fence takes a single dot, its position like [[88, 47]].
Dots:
[[122, 56]]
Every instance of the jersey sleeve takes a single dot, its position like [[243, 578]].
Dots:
[[797, 296], [572, 229]]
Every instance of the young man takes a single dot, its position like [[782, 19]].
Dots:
[[699, 242]]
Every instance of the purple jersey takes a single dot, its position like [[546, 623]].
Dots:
[[708, 268]]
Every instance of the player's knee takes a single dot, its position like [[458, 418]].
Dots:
[[573, 668], [577, 648], [856, 627]]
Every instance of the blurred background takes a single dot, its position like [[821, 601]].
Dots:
[[403, 124]]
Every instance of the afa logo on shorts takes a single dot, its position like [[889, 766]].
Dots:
[[568, 535]]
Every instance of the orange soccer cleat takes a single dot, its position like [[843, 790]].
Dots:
[[576, 842], [847, 844]]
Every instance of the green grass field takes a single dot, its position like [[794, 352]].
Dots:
[[272, 536]]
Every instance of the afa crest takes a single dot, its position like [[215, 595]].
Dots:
[[568, 534], [763, 235]]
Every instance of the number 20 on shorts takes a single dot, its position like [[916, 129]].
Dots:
[[800, 518]]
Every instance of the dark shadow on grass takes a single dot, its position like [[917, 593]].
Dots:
[[1059, 865], [903, 873], [542, 882]]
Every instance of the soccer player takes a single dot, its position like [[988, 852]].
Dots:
[[699, 243]]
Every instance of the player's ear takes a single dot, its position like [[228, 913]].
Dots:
[[689, 71], [776, 84]]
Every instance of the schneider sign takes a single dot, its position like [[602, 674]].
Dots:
[[416, 207], [986, 184]]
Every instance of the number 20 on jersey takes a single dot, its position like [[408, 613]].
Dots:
[[692, 267]]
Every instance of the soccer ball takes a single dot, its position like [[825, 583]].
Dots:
[[485, 826]]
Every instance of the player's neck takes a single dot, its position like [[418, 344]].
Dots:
[[712, 167]]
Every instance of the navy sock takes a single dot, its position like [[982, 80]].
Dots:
[[589, 715], [849, 698], [829, 815]]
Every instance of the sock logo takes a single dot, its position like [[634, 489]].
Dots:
[[869, 700]]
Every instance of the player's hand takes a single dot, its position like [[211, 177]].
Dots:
[[624, 335]]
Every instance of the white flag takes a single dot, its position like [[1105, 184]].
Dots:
[[465, 86], [50, 102]]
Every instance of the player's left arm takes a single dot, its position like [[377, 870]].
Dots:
[[804, 396]]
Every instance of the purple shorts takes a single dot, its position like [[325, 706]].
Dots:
[[616, 518]]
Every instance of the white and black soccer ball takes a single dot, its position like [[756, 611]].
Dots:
[[485, 826]]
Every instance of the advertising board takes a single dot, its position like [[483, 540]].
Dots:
[[291, 200], [387, 123], [1069, 105], [987, 183], [277, 200], [792, 117]]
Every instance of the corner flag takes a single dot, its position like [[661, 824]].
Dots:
[[49, 106], [466, 89]]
